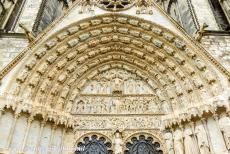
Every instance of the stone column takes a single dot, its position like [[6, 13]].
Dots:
[[192, 125], [29, 122], [168, 136], [204, 122], [62, 140], [216, 136], [43, 123], [216, 118], [9, 139], [178, 141], [224, 126], [52, 137]]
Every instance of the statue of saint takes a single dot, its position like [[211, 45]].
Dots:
[[224, 124], [118, 143], [169, 142], [117, 86], [178, 142], [202, 139], [190, 144]]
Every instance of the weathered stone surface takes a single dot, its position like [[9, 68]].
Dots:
[[219, 47], [10, 48], [115, 72]]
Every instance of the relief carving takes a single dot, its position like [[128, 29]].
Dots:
[[117, 123], [191, 146], [178, 141], [118, 143], [224, 124], [202, 139], [116, 105], [31, 63], [23, 75], [200, 64], [117, 80], [34, 81], [169, 142]]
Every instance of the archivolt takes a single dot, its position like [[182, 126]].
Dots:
[[58, 69]]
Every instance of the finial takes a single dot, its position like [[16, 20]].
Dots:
[[200, 32], [29, 35]]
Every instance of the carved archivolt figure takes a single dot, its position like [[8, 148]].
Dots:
[[166, 107], [224, 124], [178, 142], [202, 139], [118, 143], [190, 144]]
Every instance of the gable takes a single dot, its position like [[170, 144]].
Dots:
[[56, 71]]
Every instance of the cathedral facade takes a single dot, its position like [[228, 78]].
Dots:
[[114, 76]]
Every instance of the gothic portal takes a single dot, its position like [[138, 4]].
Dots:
[[114, 77]]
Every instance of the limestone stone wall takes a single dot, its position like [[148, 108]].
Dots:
[[218, 45], [9, 48]]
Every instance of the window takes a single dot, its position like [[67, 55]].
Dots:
[[94, 145], [143, 145], [173, 10], [10, 12], [49, 11], [219, 14]]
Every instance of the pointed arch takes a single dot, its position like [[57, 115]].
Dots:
[[57, 69]]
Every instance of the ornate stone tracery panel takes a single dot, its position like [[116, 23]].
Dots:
[[94, 144], [141, 144], [115, 5]]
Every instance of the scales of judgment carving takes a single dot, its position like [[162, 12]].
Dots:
[[117, 99]]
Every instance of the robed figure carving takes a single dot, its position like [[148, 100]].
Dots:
[[224, 124], [118, 143], [178, 142], [190, 143], [169, 142], [202, 138]]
